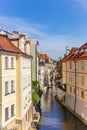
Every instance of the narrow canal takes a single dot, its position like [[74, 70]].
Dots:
[[56, 117]]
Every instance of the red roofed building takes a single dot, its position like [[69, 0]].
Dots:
[[74, 76], [45, 58], [15, 92]]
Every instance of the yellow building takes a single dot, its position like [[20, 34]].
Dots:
[[15, 83], [75, 77]]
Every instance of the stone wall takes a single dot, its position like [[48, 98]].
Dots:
[[81, 109], [69, 101]]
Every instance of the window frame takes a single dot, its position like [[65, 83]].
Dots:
[[6, 113], [6, 87], [12, 110], [12, 62], [6, 62], [12, 86]]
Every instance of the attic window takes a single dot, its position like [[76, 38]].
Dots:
[[76, 52], [82, 50]]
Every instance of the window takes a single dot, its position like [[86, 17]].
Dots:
[[77, 92], [74, 65], [12, 86], [12, 110], [71, 89], [70, 65], [12, 62], [77, 65], [70, 79], [6, 88], [6, 62], [82, 80], [74, 91], [82, 94], [6, 113], [82, 65], [73, 78], [77, 79]]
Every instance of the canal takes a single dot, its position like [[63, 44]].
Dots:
[[56, 117]]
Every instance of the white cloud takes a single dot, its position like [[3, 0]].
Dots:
[[20, 25], [53, 45]]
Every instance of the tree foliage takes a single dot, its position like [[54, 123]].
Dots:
[[35, 93], [35, 85], [35, 97]]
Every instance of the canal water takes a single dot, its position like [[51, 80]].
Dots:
[[56, 117]]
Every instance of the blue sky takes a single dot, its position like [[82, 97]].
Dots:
[[55, 23]]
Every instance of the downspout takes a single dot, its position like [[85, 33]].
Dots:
[[75, 88]]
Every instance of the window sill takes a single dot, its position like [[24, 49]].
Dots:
[[6, 119], [12, 92], [24, 67], [12, 115], [6, 68], [7, 94], [12, 68]]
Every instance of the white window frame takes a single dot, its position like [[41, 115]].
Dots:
[[6, 88], [12, 62], [77, 65], [12, 86], [6, 113], [6, 62], [82, 80], [82, 65], [12, 110]]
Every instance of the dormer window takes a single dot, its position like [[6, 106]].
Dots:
[[82, 50], [86, 49], [76, 52]]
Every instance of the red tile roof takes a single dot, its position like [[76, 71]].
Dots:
[[71, 54], [84, 46], [81, 53], [44, 56], [74, 49], [6, 45]]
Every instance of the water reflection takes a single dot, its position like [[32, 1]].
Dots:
[[47, 100], [54, 116]]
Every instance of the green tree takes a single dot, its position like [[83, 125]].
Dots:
[[35, 98], [35, 92]]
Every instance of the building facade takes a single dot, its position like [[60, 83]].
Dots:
[[15, 84], [74, 75], [46, 71], [33, 51]]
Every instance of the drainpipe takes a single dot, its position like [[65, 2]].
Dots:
[[75, 88]]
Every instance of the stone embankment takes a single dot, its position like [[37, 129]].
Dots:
[[70, 110]]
